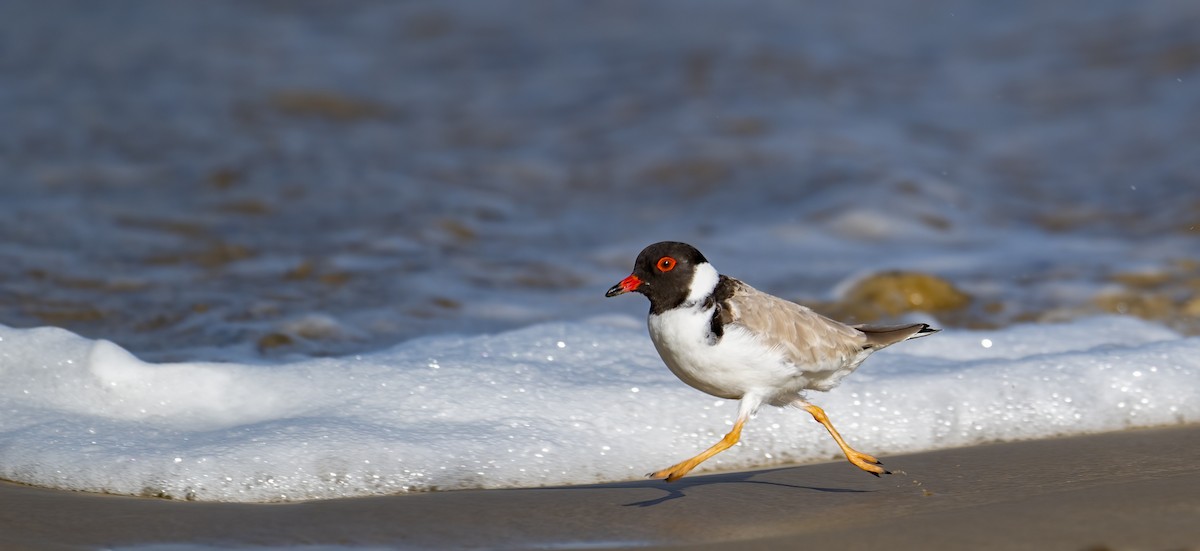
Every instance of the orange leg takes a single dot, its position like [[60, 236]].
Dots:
[[676, 471], [859, 459]]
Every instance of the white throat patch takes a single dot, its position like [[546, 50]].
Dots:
[[704, 281]]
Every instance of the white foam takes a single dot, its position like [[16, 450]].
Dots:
[[561, 403]]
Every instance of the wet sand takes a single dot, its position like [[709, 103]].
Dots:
[[1137, 489]]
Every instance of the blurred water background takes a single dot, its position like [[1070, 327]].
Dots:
[[268, 180]]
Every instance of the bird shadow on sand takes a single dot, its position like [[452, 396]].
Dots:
[[678, 489]]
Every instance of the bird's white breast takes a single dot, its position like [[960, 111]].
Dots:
[[729, 367]]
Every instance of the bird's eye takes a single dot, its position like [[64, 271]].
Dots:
[[666, 264]]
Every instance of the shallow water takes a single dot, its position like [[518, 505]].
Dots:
[[243, 179], [268, 184]]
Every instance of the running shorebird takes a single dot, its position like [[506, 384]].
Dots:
[[730, 340]]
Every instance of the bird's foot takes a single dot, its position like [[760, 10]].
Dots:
[[674, 472], [866, 462]]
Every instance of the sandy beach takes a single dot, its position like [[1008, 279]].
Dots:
[[1136, 489]]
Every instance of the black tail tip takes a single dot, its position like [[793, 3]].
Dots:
[[925, 329]]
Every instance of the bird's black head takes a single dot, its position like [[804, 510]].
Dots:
[[663, 272]]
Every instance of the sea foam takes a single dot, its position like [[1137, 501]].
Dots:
[[550, 404]]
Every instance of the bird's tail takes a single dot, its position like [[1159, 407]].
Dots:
[[879, 336]]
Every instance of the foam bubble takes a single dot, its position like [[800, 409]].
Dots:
[[561, 403]]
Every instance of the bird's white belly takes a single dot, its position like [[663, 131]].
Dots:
[[735, 365]]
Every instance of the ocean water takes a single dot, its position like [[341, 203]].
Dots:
[[256, 251]]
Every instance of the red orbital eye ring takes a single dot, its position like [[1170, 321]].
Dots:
[[666, 264]]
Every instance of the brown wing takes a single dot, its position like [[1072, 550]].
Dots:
[[810, 340]]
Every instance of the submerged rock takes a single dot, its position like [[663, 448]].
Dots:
[[890, 294]]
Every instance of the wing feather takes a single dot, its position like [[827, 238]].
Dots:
[[809, 340]]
